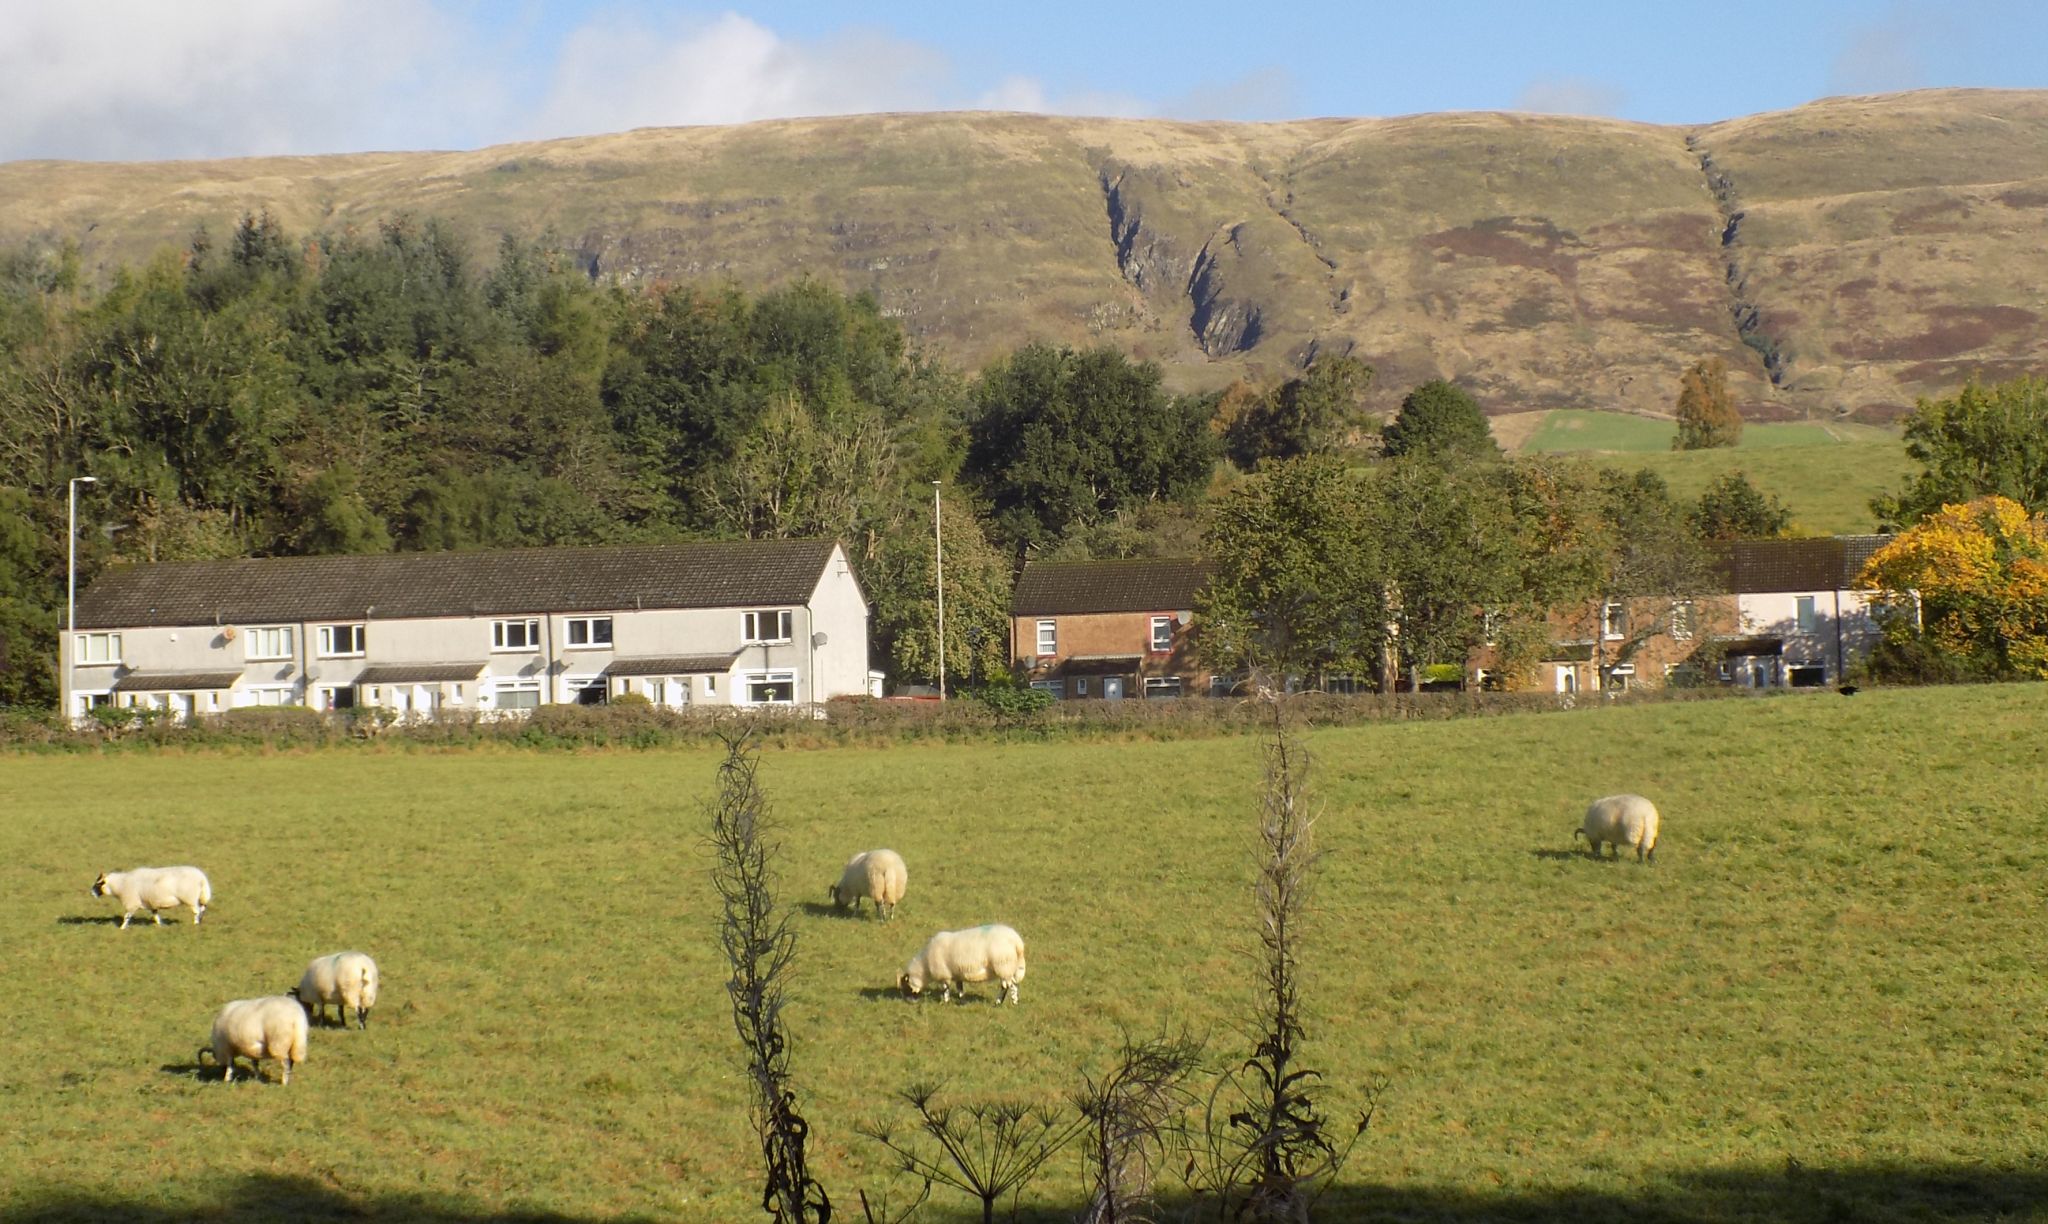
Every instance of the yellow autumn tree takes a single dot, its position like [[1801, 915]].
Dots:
[[1980, 569]]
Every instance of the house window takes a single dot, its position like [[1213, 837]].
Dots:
[[1684, 620], [1162, 633], [518, 694], [1613, 621], [268, 696], [767, 626], [1491, 622], [770, 688], [1619, 677], [97, 648], [1807, 675], [1225, 684], [1048, 638], [586, 690], [337, 699], [1080, 686], [588, 631], [1803, 610], [268, 642], [711, 685], [515, 635], [1047, 686], [337, 641], [1162, 686]]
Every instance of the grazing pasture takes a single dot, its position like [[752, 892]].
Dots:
[[1826, 999]]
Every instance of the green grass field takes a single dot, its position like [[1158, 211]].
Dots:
[[1825, 1001], [1825, 473]]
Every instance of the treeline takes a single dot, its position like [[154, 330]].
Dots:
[[263, 393]]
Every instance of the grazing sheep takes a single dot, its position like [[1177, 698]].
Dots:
[[273, 1026], [156, 888], [1621, 820], [952, 958], [874, 875], [348, 980]]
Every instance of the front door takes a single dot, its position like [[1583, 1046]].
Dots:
[[1112, 688]]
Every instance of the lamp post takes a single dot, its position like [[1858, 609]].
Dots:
[[939, 556], [68, 649]]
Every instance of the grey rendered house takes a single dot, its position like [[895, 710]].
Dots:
[[750, 623]]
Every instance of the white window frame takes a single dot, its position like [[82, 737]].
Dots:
[[781, 675], [1080, 686], [780, 621], [573, 688], [521, 688], [84, 654], [1491, 622], [1684, 619], [711, 686], [1805, 613], [266, 643], [272, 695], [1047, 686], [529, 628], [358, 635], [1163, 687], [1162, 643], [1613, 620], [1048, 638], [589, 626]]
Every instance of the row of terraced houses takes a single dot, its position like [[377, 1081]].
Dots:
[[786, 623]]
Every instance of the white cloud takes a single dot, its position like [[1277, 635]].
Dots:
[[128, 79], [618, 74], [149, 79], [1570, 96]]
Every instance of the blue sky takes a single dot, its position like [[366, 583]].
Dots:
[[136, 79]]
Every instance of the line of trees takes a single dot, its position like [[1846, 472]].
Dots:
[[378, 389]]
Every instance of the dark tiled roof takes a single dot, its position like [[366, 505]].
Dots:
[[159, 682], [672, 665], [419, 673], [403, 585], [1053, 588], [1828, 563]]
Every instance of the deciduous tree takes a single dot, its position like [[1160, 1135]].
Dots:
[[1706, 413], [1981, 440], [1981, 572], [1734, 509], [1439, 420]]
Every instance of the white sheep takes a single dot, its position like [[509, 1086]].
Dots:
[[273, 1026], [874, 875], [952, 958], [156, 888], [348, 980], [1621, 820]]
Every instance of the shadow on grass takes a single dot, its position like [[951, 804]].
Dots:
[[1559, 855], [1943, 1193], [825, 909], [877, 994], [91, 920], [1947, 1194]]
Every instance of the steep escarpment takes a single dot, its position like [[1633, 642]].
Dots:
[[1841, 258]]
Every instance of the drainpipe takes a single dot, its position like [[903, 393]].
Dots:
[[1841, 660], [547, 670]]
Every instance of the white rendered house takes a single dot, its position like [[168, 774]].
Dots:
[[747, 623]]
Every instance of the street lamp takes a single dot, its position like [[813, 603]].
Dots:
[[939, 554], [68, 650]]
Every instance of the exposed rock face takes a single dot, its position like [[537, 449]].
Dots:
[[1842, 258]]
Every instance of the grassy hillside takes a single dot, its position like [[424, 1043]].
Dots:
[[1845, 256], [1823, 1002], [1825, 472]]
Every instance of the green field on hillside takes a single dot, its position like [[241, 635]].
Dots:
[[1824, 1001], [1825, 473]]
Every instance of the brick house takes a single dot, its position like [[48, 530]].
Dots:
[[1108, 629]]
